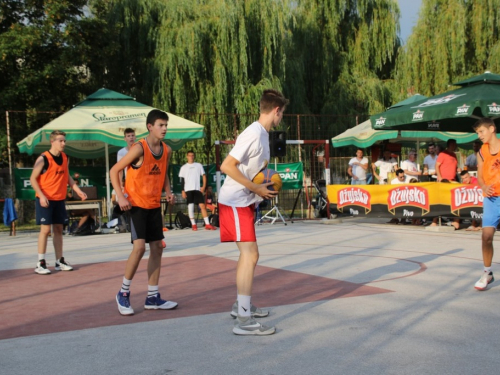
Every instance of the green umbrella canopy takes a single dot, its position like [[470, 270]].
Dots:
[[101, 119], [452, 111]]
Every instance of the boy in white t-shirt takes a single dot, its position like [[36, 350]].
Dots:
[[189, 175], [385, 165], [237, 200]]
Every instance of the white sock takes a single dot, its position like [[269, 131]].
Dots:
[[41, 256], [125, 285], [487, 269], [244, 305], [206, 220], [152, 290], [191, 210]]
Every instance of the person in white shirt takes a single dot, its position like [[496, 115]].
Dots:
[[237, 201], [400, 178], [357, 168], [385, 165], [410, 166], [430, 160], [471, 161], [129, 137], [189, 175]]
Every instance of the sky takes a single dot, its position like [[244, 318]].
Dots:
[[409, 16]]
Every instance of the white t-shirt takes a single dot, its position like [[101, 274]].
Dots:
[[430, 162], [357, 170], [397, 181], [411, 166], [191, 174], [121, 153], [252, 151], [385, 166]]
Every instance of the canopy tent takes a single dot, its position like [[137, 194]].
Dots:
[[454, 111], [95, 127], [363, 135]]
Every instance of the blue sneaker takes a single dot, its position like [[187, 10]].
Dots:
[[155, 303], [123, 301]]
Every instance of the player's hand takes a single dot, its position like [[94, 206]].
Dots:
[[488, 190], [170, 198], [124, 204], [202, 189], [263, 191], [44, 202], [184, 195], [82, 195]]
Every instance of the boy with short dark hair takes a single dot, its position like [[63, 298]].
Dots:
[[488, 176], [50, 179], [147, 162], [237, 200]]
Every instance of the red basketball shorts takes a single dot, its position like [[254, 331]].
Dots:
[[237, 223]]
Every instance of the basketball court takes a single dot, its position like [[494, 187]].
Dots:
[[358, 297]]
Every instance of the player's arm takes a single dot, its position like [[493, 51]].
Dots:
[[37, 171], [230, 167], [204, 183], [488, 190], [364, 166], [438, 171], [166, 184], [374, 168], [134, 156]]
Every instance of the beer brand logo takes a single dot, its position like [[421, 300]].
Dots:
[[463, 110], [354, 197], [155, 170], [494, 109], [444, 99], [117, 116], [418, 116], [465, 197], [380, 121], [433, 125], [408, 196]]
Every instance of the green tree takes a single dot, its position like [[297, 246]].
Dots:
[[453, 40]]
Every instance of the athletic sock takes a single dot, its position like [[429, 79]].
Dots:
[[41, 256], [152, 290], [191, 210], [487, 269], [206, 220], [244, 305], [193, 221], [125, 285]]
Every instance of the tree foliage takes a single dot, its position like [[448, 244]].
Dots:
[[453, 40]]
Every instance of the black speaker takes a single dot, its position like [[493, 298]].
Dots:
[[277, 143]]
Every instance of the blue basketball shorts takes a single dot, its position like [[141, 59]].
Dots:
[[491, 212]]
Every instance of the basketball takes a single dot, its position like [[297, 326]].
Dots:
[[269, 175]]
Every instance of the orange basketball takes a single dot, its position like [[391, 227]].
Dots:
[[268, 175]]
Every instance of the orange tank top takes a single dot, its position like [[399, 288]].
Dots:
[[144, 183], [491, 168], [54, 181]]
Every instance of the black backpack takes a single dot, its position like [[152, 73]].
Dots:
[[182, 221], [214, 220]]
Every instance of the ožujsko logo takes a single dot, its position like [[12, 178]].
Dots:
[[463, 110], [354, 197], [494, 109], [415, 196], [465, 197], [418, 116], [380, 121]]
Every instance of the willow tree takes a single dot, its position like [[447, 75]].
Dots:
[[342, 51], [453, 39]]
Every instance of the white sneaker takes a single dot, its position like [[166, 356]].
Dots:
[[62, 265], [248, 326], [41, 268], [486, 278]]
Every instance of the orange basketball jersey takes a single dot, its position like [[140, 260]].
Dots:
[[491, 168], [144, 183], [54, 182]]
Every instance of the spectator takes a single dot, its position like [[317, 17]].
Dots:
[[357, 168], [446, 164], [430, 160], [129, 137], [189, 175], [86, 216], [385, 165], [471, 161], [410, 166], [400, 177], [467, 179]]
